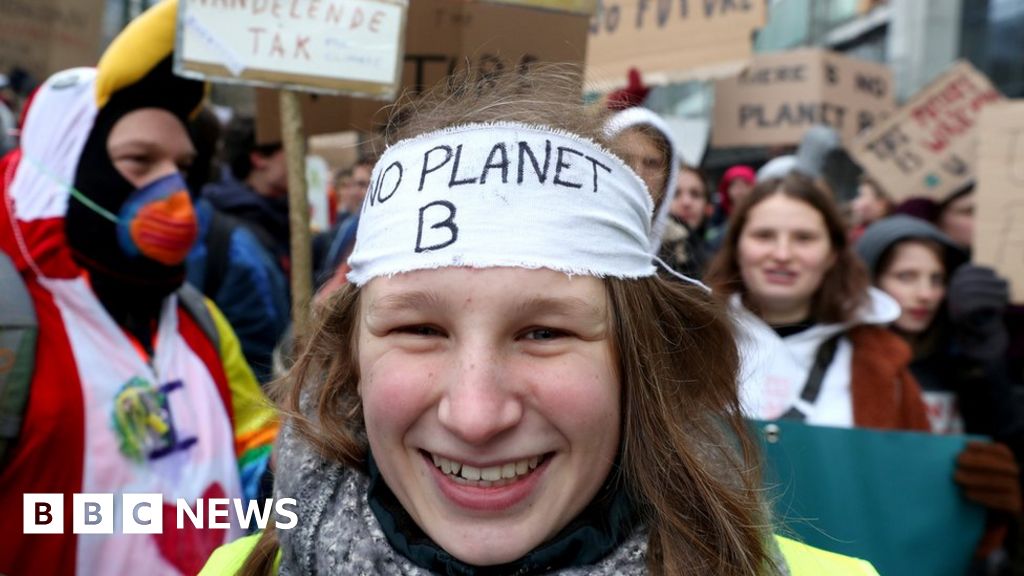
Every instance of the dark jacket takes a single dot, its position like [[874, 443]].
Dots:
[[266, 218], [239, 274]]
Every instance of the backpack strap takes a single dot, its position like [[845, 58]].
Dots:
[[19, 331], [194, 303], [218, 245], [812, 387]]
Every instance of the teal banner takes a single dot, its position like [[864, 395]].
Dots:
[[887, 497]]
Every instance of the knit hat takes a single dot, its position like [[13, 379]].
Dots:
[[924, 208], [738, 172], [887, 232], [777, 167]]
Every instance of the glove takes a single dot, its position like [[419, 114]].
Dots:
[[977, 299], [989, 476]]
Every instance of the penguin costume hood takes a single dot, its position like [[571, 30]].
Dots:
[[72, 210]]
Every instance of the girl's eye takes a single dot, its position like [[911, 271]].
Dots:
[[542, 334], [906, 276], [419, 330]]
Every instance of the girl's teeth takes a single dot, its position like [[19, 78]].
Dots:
[[492, 476], [470, 472]]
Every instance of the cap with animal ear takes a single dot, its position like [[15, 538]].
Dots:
[[134, 73], [633, 94]]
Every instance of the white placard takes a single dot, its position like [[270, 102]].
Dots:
[[341, 46]]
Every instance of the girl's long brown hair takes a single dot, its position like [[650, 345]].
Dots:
[[686, 455]]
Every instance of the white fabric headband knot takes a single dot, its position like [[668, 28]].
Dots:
[[503, 194]]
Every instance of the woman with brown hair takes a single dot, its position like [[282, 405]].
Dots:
[[480, 402], [812, 332]]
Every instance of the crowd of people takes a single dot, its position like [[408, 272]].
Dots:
[[545, 367]]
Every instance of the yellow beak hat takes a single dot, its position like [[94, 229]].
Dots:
[[137, 66]]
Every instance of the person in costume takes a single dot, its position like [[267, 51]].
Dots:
[[139, 385], [478, 402]]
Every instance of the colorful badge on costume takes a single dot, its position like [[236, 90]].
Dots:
[[158, 221], [143, 422]]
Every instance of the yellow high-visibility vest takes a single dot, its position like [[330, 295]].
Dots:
[[803, 560]]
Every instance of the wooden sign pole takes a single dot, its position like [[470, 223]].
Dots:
[[293, 136]]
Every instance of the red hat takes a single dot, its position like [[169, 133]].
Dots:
[[632, 95], [738, 172]]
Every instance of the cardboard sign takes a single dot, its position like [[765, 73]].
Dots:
[[576, 6], [444, 36], [780, 95], [47, 36], [999, 197], [667, 36], [928, 147], [343, 46]]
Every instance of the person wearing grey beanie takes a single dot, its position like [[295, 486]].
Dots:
[[952, 318]]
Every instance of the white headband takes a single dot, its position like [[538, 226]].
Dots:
[[503, 194]]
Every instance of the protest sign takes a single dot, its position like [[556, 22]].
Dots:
[[885, 496], [47, 36], [444, 36], [928, 147], [666, 36], [348, 46], [333, 46], [999, 198], [318, 184], [576, 6], [780, 95]]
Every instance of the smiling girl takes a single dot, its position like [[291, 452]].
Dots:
[[812, 333], [482, 402]]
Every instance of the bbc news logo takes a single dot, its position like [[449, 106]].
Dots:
[[144, 513]]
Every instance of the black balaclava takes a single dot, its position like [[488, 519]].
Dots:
[[130, 287]]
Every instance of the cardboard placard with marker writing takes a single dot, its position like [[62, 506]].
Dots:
[[444, 36], [928, 148], [669, 36], [999, 197], [780, 95], [333, 46]]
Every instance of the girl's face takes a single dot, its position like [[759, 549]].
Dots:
[[868, 206], [691, 201], [492, 402], [647, 160], [916, 278], [738, 190], [784, 252], [957, 220]]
